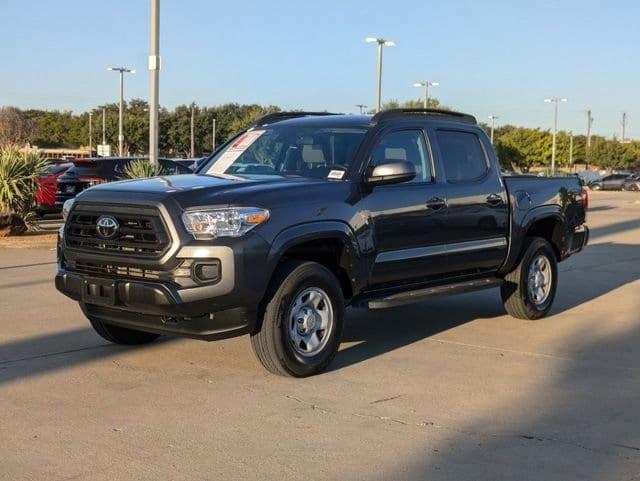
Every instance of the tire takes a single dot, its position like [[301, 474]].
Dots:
[[517, 297], [121, 335], [595, 187], [280, 344]]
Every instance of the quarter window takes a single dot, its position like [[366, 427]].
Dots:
[[407, 145], [462, 155]]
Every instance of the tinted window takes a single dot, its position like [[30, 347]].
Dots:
[[406, 145], [462, 154]]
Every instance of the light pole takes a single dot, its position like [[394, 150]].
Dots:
[[90, 141], [571, 149], [493, 119], [381, 43], [362, 107], [426, 84], [556, 101], [154, 81], [104, 127], [213, 135], [122, 71], [623, 126], [192, 152]]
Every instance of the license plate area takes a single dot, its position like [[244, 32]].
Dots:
[[99, 291]]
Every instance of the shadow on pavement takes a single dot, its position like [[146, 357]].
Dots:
[[579, 423], [379, 331], [44, 354]]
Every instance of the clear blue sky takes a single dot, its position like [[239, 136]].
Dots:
[[496, 57]]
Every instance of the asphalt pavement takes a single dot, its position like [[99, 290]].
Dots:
[[450, 389]]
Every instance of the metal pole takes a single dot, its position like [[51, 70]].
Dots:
[[213, 135], [571, 149], [90, 141], [589, 122], [104, 128], [154, 80], [555, 133], [623, 125], [379, 89], [120, 113], [493, 125], [426, 94], [192, 149]]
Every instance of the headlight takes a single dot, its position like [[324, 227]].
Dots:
[[229, 222], [66, 207]]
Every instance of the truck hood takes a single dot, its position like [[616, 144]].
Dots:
[[193, 190]]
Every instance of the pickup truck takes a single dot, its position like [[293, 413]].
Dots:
[[306, 213]]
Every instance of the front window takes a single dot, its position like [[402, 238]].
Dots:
[[281, 151]]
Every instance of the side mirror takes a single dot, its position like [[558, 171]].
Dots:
[[391, 172]]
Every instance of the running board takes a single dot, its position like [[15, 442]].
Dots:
[[408, 297]]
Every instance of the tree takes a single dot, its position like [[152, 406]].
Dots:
[[15, 128], [522, 147]]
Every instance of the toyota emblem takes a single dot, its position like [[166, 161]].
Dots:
[[107, 227]]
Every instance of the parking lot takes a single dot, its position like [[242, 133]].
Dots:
[[447, 389]]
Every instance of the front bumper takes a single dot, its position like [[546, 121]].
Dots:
[[155, 307]]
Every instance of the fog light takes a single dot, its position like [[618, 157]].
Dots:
[[206, 271]]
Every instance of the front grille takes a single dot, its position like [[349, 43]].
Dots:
[[180, 275], [139, 234]]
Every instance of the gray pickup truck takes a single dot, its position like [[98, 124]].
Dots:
[[304, 214]]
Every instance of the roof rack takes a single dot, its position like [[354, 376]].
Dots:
[[278, 116], [385, 115]]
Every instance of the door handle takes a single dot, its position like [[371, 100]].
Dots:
[[436, 203], [494, 199]]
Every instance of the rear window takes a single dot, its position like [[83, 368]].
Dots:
[[462, 155]]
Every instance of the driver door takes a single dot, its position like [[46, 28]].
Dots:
[[407, 218]]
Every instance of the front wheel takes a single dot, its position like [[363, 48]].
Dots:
[[302, 321], [528, 291], [595, 187]]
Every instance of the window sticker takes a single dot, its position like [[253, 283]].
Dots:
[[235, 150], [336, 174]]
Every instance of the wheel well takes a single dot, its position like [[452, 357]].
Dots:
[[550, 229], [331, 253]]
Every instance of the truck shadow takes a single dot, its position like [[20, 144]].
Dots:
[[576, 421], [40, 355], [600, 269]]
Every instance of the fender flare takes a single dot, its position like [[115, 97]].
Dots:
[[326, 229]]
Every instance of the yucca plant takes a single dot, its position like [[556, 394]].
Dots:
[[141, 168], [19, 173]]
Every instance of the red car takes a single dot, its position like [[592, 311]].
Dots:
[[46, 195]]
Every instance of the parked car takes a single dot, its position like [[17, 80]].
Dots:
[[632, 183], [98, 170], [193, 164], [609, 182], [304, 214], [47, 185]]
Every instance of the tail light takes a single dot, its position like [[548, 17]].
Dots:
[[585, 199], [93, 180]]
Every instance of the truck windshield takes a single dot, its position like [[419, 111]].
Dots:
[[282, 151]]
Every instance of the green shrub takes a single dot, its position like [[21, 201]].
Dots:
[[141, 168], [19, 173]]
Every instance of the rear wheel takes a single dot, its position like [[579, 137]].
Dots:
[[595, 187], [301, 322], [121, 335], [529, 290]]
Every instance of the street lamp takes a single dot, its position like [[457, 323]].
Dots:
[[154, 80], [426, 84], [90, 142], [122, 71], [555, 101], [381, 43], [362, 108], [493, 119]]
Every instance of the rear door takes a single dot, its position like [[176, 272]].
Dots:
[[477, 213]]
